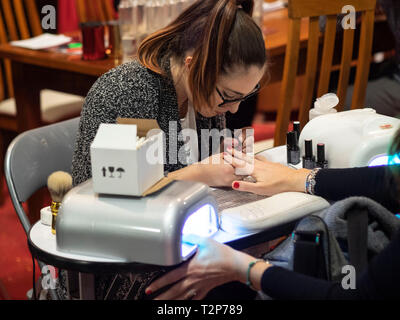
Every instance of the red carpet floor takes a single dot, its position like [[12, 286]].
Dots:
[[15, 258]]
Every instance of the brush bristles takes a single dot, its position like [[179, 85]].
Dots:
[[59, 183]]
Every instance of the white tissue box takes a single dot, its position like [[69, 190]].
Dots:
[[119, 165]]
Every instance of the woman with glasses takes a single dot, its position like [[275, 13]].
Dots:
[[186, 76]]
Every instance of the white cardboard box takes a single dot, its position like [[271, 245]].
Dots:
[[118, 167]]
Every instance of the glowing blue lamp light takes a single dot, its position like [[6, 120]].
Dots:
[[394, 159], [384, 160], [202, 223], [381, 160]]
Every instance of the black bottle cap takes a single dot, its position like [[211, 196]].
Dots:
[[308, 152], [296, 128], [320, 153], [291, 139]]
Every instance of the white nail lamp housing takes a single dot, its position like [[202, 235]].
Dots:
[[146, 230], [354, 138]]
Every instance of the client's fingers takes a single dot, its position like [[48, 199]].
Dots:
[[235, 162], [248, 144], [230, 142], [176, 292], [247, 186], [242, 167], [168, 278], [249, 158]]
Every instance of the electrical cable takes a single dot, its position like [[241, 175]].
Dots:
[[33, 279]]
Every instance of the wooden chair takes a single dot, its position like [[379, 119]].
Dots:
[[99, 10], [313, 9], [19, 19]]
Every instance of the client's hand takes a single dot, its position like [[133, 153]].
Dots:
[[214, 171], [271, 178], [244, 141], [213, 265]]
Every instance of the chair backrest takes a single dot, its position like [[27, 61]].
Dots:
[[99, 10], [19, 19], [313, 9], [35, 154]]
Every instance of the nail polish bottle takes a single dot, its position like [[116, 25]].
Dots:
[[308, 158], [293, 151], [321, 162], [296, 128]]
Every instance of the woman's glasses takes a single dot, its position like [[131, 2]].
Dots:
[[231, 101]]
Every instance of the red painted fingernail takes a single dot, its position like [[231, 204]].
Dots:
[[236, 185], [229, 148], [147, 292]]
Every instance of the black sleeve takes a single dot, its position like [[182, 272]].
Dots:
[[381, 280], [377, 183]]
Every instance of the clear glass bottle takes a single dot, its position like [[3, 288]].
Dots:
[[258, 12], [162, 14], [186, 4], [179, 7], [139, 18], [127, 29], [151, 15], [174, 9]]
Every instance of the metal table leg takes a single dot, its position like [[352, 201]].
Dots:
[[86, 286]]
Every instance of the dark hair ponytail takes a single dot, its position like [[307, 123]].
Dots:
[[221, 34]]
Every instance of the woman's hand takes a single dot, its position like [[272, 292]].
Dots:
[[213, 265], [243, 141], [271, 178], [214, 171]]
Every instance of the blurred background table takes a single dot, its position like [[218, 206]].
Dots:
[[33, 71]]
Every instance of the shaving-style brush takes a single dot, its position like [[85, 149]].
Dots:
[[58, 183]]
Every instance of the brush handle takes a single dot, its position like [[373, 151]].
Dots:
[[54, 211]]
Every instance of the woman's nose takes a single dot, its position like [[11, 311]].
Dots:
[[234, 107]]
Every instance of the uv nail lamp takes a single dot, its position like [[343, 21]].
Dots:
[[146, 230], [354, 138]]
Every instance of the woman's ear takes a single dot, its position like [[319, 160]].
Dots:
[[188, 61]]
